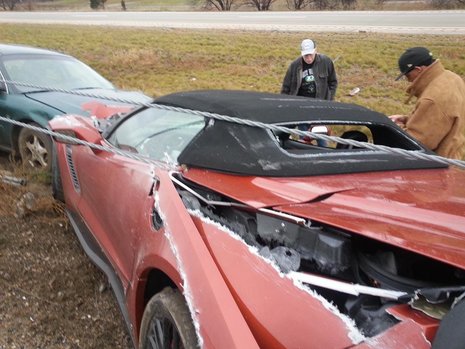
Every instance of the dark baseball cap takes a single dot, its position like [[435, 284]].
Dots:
[[414, 57]]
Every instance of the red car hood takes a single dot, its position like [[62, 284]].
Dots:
[[417, 210]]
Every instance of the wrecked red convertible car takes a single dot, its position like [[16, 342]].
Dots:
[[218, 234]]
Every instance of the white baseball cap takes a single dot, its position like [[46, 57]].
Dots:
[[308, 47]]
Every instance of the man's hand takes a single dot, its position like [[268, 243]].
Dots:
[[400, 120]]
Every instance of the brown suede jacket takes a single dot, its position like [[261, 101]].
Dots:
[[438, 120]]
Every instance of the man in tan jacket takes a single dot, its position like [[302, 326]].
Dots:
[[438, 119]]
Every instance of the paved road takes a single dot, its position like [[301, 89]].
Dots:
[[411, 22]]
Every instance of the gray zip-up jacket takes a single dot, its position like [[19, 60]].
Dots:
[[325, 77]]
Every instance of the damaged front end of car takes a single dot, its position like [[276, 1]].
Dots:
[[370, 286]]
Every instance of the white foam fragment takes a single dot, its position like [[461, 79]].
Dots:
[[187, 290]]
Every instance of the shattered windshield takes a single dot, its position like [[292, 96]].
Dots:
[[158, 134]]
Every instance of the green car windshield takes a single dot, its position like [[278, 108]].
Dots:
[[57, 72]]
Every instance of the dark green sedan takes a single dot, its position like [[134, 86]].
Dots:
[[47, 71]]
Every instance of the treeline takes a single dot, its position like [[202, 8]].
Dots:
[[295, 5], [259, 5]]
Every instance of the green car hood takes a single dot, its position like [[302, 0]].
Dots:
[[65, 103]]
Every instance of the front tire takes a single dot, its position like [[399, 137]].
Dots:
[[450, 334], [35, 149], [167, 323]]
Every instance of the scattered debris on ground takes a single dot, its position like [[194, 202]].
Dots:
[[51, 295]]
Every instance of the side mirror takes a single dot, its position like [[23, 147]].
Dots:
[[81, 128]]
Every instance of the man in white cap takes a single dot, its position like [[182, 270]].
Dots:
[[311, 75]]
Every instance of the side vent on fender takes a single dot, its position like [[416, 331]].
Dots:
[[72, 169]]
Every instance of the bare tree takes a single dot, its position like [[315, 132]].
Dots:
[[220, 5], [325, 4], [320, 4], [297, 4], [447, 4], [9, 4], [260, 5], [350, 4]]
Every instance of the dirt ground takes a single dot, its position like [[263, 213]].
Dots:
[[51, 295]]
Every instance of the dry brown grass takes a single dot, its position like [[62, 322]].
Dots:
[[160, 61], [36, 183]]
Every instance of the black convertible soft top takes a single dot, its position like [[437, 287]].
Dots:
[[248, 150], [269, 107]]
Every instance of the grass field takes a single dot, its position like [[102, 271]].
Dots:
[[160, 61]]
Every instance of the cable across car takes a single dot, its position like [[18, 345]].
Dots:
[[251, 237]]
